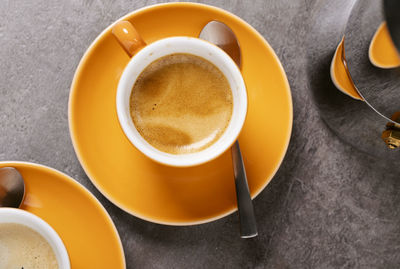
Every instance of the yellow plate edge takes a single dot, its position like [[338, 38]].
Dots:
[[371, 45], [333, 76]]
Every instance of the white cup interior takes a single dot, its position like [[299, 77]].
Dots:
[[199, 48], [18, 216]]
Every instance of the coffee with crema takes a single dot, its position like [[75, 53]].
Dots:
[[22, 247], [181, 103]]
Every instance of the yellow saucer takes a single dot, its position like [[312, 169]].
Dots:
[[167, 195], [382, 52], [75, 214], [340, 75]]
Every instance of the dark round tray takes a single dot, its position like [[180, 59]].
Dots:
[[352, 120]]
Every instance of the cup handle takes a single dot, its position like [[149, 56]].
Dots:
[[128, 37]]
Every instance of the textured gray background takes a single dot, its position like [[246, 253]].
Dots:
[[329, 206]]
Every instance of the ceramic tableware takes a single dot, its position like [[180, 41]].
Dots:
[[22, 217], [161, 48], [159, 193], [82, 223]]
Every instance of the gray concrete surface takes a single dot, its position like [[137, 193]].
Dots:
[[329, 206]]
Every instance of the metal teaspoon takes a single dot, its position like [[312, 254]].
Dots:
[[222, 36]]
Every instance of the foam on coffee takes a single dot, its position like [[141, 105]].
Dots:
[[181, 103], [22, 247]]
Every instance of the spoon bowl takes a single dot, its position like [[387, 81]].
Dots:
[[12, 187]]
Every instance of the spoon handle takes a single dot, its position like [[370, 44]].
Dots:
[[248, 226]]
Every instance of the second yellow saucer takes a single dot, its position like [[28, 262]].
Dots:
[[88, 233]]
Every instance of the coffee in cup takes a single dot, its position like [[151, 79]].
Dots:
[[181, 103], [27, 241], [22, 247]]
